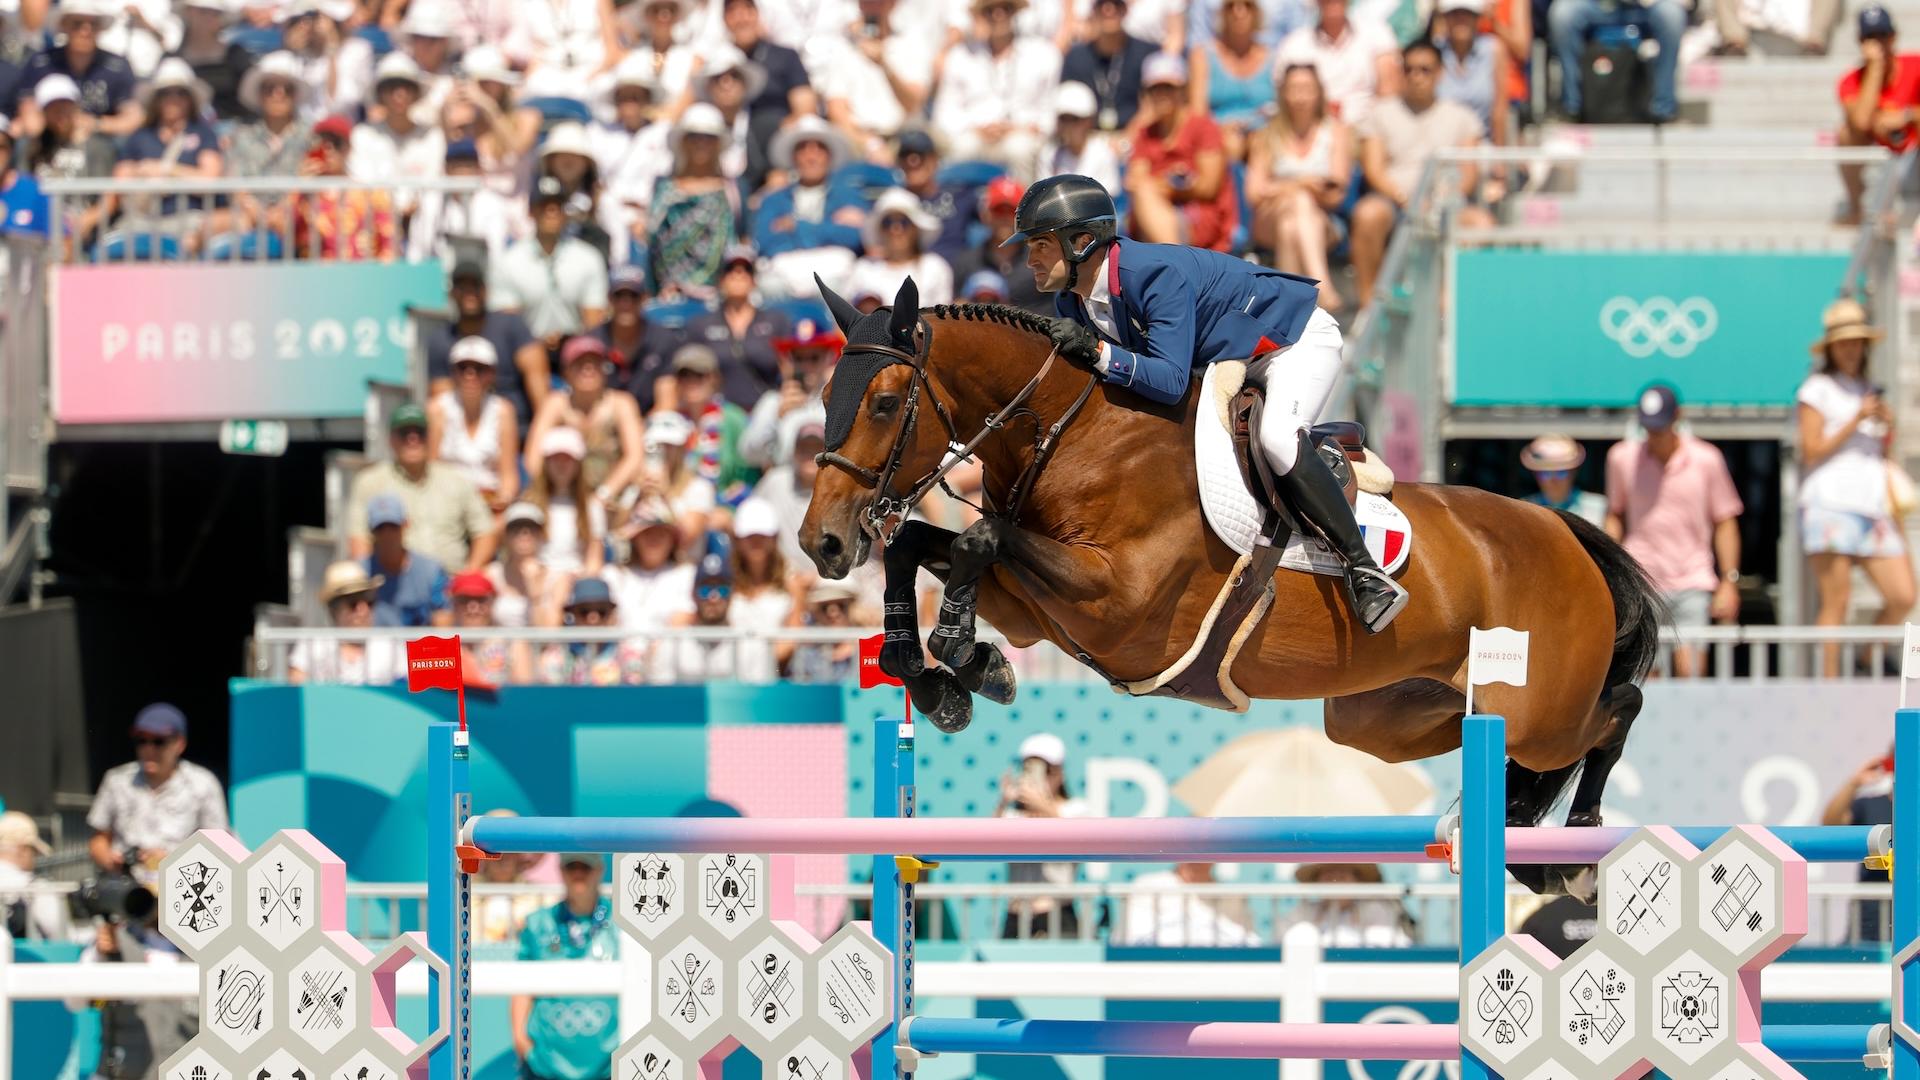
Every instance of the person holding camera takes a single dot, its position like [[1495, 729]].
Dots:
[[136, 1036], [1040, 790], [154, 802]]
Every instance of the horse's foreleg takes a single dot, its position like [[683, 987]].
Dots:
[[936, 692], [981, 668]]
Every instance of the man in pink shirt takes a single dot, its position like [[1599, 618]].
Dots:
[[1672, 503]]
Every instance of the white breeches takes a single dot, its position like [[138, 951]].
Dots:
[[1299, 380]]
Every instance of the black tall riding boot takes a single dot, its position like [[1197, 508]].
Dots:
[[1317, 496]]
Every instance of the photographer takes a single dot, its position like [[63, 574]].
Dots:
[[135, 1036], [1040, 790], [149, 805]]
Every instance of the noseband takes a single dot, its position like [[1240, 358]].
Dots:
[[886, 506]]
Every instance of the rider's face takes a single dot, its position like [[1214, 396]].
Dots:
[[1048, 262]]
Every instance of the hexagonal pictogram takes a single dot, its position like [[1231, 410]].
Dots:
[[237, 999], [281, 1063], [1505, 1007], [1691, 1005], [650, 893], [1755, 1063], [1552, 1070], [327, 991], [1598, 997], [290, 881], [1749, 893], [810, 1059], [853, 986], [648, 1057], [1642, 887], [370, 1062], [194, 1062], [771, 984], [199, 891], [382, 1000], [733, 892], [690, 989]]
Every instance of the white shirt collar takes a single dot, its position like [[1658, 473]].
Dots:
[[1099, 293]]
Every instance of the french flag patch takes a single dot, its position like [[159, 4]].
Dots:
[[1388, 533]]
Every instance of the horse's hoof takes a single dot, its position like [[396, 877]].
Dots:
[[954, 648], [942, 700], [902, 660], [990, 675], [1574, 879]]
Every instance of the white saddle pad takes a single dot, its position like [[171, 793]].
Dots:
[[1235, 515]]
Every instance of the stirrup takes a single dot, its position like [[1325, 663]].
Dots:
[[1381, 619]]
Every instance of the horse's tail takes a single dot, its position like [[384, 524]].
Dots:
[[1638, 608]]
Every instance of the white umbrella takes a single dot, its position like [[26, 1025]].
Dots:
[[1299, 772]]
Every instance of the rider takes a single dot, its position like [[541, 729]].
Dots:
[[1144, 315]]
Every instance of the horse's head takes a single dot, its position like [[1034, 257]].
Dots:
[[882, 433]]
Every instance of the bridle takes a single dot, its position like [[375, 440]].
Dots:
[[887, 507]]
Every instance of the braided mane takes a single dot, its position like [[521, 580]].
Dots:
[[1004, 314]]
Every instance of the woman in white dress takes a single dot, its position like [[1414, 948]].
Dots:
[[576, 521], [896, 234], [474, 429], [526, 593], [1846, 516]]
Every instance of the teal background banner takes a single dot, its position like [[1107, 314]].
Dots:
[[1592, 328]]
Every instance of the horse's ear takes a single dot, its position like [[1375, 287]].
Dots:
[[843, 313], [906, 312]]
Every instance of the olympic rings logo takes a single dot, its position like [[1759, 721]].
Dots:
[[1658, 324]]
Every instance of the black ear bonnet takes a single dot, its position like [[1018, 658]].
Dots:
[[892, 328]]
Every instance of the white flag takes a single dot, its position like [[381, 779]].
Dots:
[[1909, 660], [1498, 655]]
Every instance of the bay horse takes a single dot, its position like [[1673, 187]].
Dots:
[[1106, 554]]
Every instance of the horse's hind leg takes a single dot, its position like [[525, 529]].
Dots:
[[1621, 707]]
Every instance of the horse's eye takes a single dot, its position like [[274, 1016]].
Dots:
[[885, 405]]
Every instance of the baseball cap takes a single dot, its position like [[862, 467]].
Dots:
[[19, 830], [55, 87], [696, 358], [337, 126], [812, 429], [756, 517], [591, 859], [469, 270], [714, 568], [1875, 21], [988, 281], [589, 590], [649, 513], [628, 279], [471, 583], [1162, 68], [1075, 99], [668, 429], [738, 254], [547, 190], [473, 349], [915, 141], [581, 345], [1046, 746], [1658, 406], [810, 334], [563, 440], [407, 416], [528, 512], [1003, 193], [386, 508], [161, 719]]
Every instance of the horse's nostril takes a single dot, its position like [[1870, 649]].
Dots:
[[830, 546]]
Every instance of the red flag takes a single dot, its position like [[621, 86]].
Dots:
[[870, 673], [433, 663]]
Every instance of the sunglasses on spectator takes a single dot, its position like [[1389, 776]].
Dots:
[[468, 367], [151, 740], [704, 593], [896, 221], [474, 601], [334, 141], [411, 434], [1553, 474], [1423, 69], [354, 601], [593, 611], [270, 87]]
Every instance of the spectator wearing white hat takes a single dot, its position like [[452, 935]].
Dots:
[[566, 155], [995, 100], [143, 32], [426, 34], [474, 429], [104, 82], [692, 450], [662, 36], [576, 521], [812, 225], [873, 78], [338, 64], [175, 143], [897, 234], [481, 106], [762, 590], [68, 145], [695, 213], [729, 82], [274, 142], [563, 45], [1356, 56], [1040, 790], [348, 592], [788, 486], [526, 593], [30, 914], [1554, 461], [632, 152], [1077, 145], [397, 147], [216, 59], [825, 605], [654, 585]]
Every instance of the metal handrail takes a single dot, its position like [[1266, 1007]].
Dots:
[[238, 185], [1874, 224], [1662, 155]]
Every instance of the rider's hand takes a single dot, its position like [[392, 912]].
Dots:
[[1075, 342]]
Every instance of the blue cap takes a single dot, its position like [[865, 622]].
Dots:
[[463, 150], [385, 509], [160, 719], [984, 281], [714, 570], [630, 278], [1875, 21], [1658, 406], [589, 590]]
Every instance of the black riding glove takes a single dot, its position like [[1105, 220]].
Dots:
[[1075, 342]]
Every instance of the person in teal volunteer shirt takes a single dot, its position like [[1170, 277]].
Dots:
[[569, 1038]]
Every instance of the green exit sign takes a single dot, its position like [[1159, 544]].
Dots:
[[259, 438]]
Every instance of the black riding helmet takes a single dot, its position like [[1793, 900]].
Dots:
[[1068, 205]]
